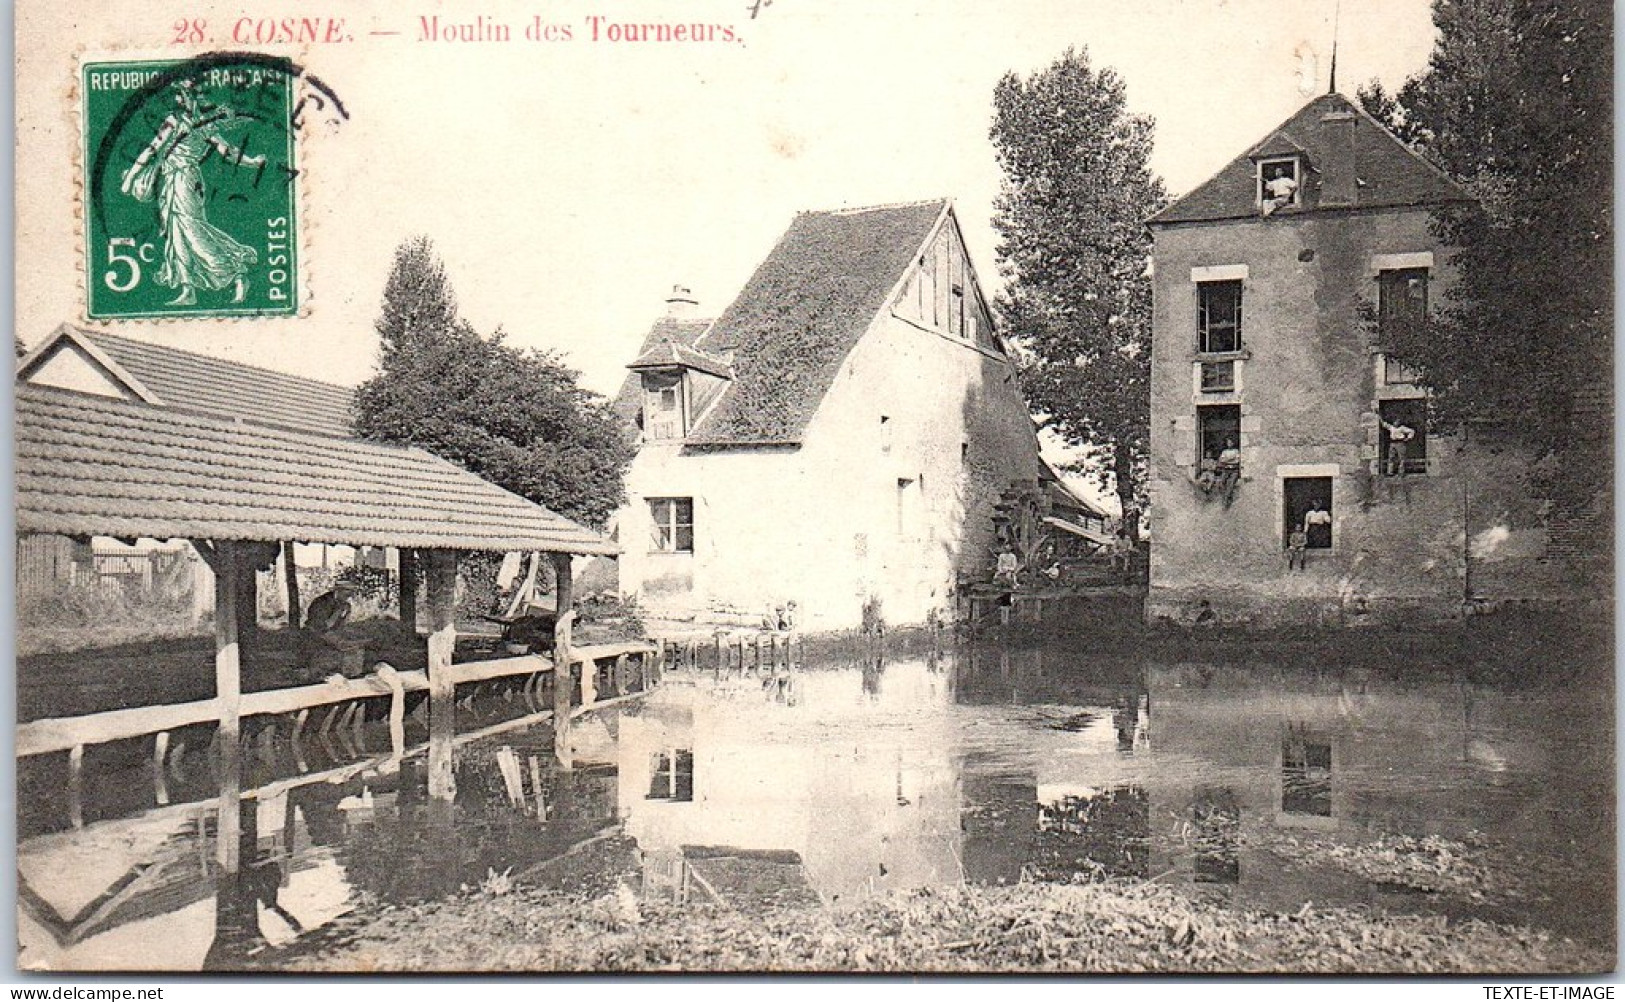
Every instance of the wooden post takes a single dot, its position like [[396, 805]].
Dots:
[[247, 595], [408, 591], [160, 751], [290, 574], [589, 682], [564, 589], [536, 788], [397, 712], [228, 693], [442, 574], [76, 773]]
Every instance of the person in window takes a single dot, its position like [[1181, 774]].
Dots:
[[1005, 569], [1317, 515], [1280, 187], [1229, 471], [1297, 545], [1208, 472], [1399, 445]]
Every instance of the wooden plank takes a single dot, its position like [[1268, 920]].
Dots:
[[290, 575], [407, 591], [397, 710], [228, 694], [442, 574], [58, 734], [76, 774], [54, 734], [160, 752], [564, 589]]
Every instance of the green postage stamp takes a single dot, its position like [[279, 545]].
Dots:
[[189, 199]]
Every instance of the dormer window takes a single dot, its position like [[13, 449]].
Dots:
[[679, 383], [663, 405], [1279, 184]]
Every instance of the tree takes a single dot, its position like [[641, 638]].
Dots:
[[417, 296], [1073, 251], [515, 417], [1516, 103]]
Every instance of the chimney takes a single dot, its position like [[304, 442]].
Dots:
[[1339, 184], [681, 304]]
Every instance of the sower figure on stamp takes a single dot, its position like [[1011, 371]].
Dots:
[[197, 254]]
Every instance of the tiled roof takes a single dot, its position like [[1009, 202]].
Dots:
[[803, 310], [670, 353], [677, 331], [187, 381], [92, 465], [1389, 173]]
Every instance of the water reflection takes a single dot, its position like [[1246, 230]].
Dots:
[[846, 780]]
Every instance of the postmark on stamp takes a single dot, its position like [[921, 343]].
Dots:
[[191, 206]]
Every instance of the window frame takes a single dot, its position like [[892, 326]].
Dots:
[[668, 765], [1387, 280], [662, 423], [1202, 431], [1205, 323], [667, 524], [1264, 166], [1314, 533], [1227, 365], [1416, 459]]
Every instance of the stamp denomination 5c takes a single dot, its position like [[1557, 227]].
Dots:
[[190, 188]]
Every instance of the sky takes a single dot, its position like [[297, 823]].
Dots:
[[569, 185]]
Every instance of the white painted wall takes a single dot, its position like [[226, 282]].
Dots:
[[820, 524]]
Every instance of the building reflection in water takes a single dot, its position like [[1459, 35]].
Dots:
[[887, 774], [731, 792], [1216, 817], [1306, 773]]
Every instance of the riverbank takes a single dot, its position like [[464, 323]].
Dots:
[[1110, 927]]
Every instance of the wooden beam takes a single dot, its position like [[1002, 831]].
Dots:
[[247, 594], [205, 549], [408, 591], [442, 574], [228, 692], [290, 574], [59, 734], [564, 590]]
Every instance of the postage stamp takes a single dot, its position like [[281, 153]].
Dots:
[[190, 196]]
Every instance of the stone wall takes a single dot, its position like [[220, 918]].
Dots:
[[1308, 386]]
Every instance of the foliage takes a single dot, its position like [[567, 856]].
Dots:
[[1516, 103], [1111, 926], [1074, 250], [515, 417], [418, 297]]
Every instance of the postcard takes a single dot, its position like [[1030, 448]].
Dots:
[[1050, 486]]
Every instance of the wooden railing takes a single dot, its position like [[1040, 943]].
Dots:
[[38, 737]]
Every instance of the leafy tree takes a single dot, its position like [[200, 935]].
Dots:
[[1073, 251], [417, 296], [515, 417], [1516, 103]]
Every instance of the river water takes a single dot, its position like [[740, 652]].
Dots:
[[1258, 777]]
